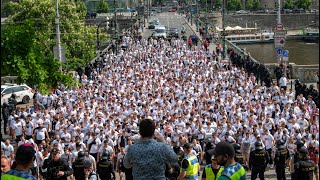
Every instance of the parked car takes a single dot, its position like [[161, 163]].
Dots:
[[23, 93], [287, 11], [174, 32], [172, 10], [153, 24], [242, 12], [160, 31], [262, 11]]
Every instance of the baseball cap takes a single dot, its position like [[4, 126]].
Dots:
[[25, 153], [55, 151], [303, 151], [223, 148]]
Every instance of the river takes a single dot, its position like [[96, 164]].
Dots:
[[300, 52]]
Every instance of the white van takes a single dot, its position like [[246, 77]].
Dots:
[[160, 31]]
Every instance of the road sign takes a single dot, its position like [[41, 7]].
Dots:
[[285, 53], [286, 59], [279, 27], [279, 39], [279, 52]]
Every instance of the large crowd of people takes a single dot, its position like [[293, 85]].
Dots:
[[193, 97]]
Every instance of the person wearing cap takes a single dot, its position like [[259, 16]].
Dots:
[[281, 159], [146, 156], [304, 168], [258, 161], [58, 168], [89, 174], [78, 166], [224, 154], [190, 165], [24, 159], [213, 170], [105, 166]]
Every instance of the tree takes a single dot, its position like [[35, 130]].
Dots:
[[304, 4], [218, 4], [288, 4], [102, 7], [28, 38], [233, 5]]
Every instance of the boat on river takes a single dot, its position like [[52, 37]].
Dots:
[[241, 35], [311, 33]]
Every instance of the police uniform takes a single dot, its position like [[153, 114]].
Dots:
[[258, 161], [239, 158], [281, 156], [78, 166], [60, 165], [190, 164], [304, 168], [105, 168]]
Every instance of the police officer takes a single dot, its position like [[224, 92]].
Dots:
[[12, 102], [299, 144], [78, 166], [212, 171], [105, 167], [58, 168], [258, 161], [5, 116], [239, 158], [281, 160], [305, 167], [189, 170]]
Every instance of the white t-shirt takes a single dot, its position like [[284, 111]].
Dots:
[[17, 126], [94, 148], [29, 130], [268, 139], [40, 133], [8, 150]]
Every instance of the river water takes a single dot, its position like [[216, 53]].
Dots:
[[300, 52]]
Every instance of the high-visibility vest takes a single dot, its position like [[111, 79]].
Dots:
[[17, 175], [237, 172], [209, 173], [193, 168]]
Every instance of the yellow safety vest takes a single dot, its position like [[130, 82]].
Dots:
[[16, 175], [236, 172], [209, 173], [193, 168]]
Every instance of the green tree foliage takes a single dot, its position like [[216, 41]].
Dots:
[[28, 38], [288, 4], [218, 4], [102, 7], [252, 5], [304, 4], [233, 5]]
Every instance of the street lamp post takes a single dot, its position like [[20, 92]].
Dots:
[[58, 33], [223, 27], [98, 39]]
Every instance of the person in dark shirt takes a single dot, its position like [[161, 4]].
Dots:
[[58, 168]]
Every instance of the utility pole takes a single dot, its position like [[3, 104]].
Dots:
[[206, 16], [58, 33], [116, 26], [223, 28]]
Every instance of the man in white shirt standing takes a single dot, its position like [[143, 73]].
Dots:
[[283, 82], [269, 143]]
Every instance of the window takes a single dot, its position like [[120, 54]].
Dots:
[[17, 89], [8, 91]]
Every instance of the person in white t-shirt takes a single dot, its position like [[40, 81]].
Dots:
[[93, 145], [40, 133], [269, 142], [8, 149], [104, 148], [18, 126], [29, 127]]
